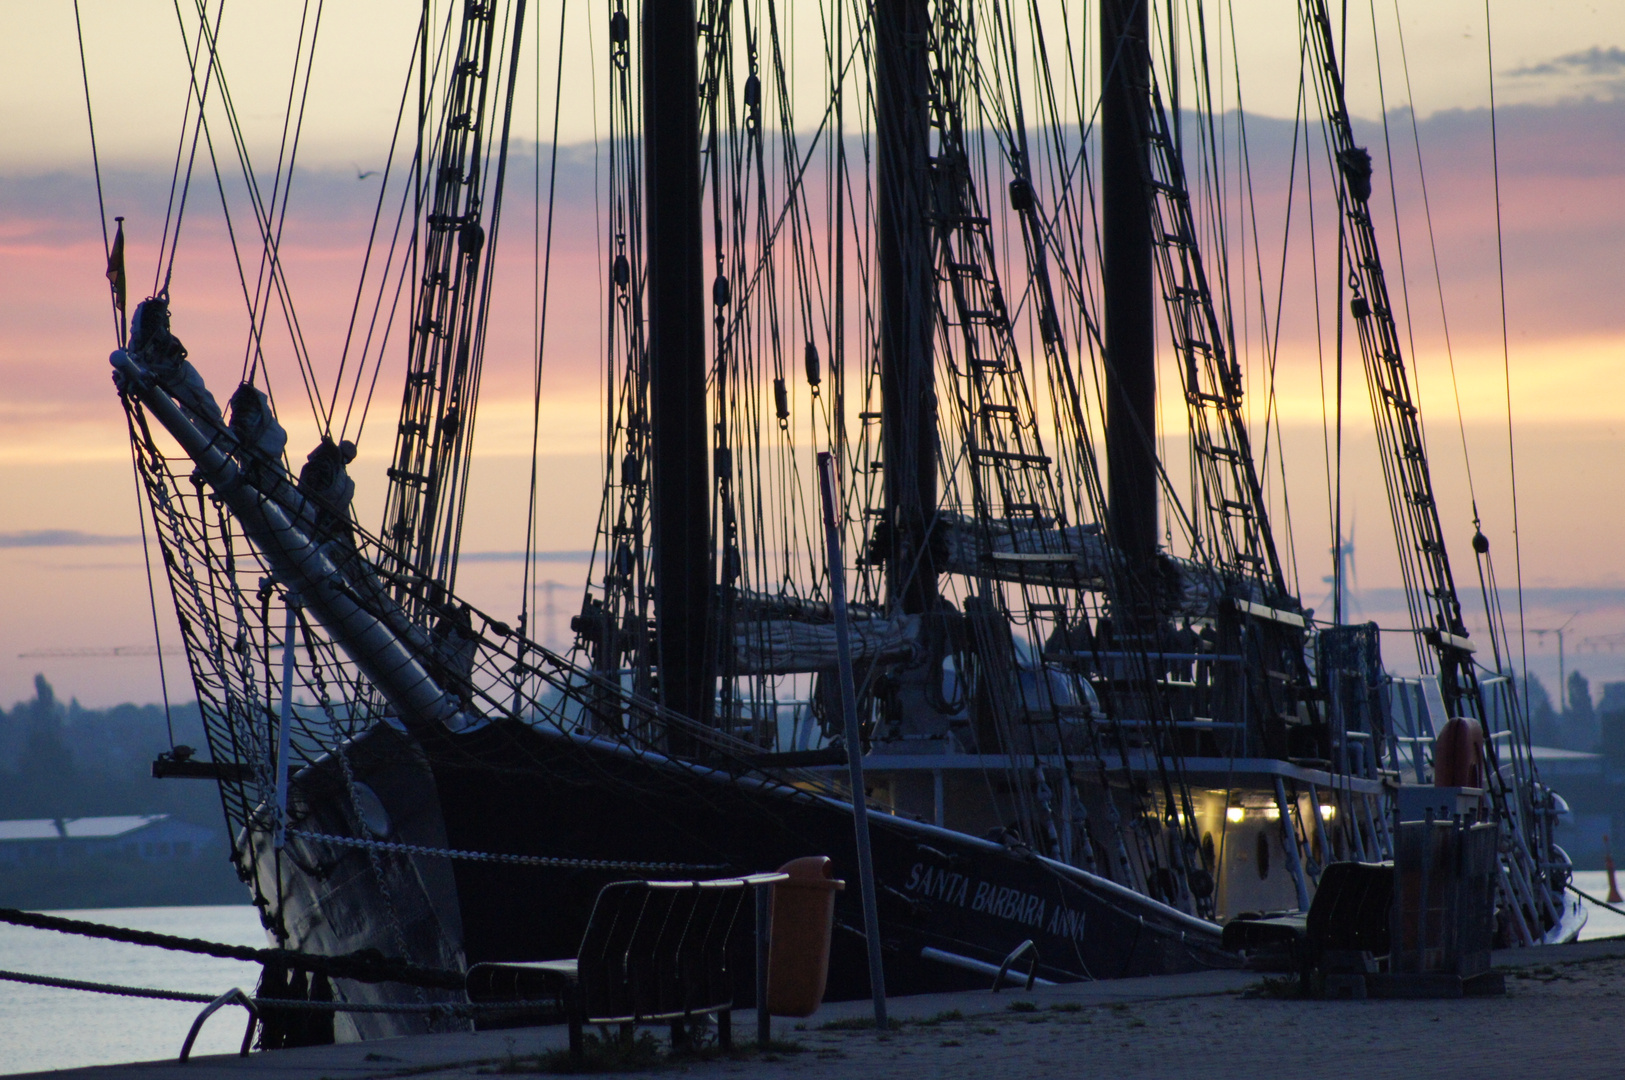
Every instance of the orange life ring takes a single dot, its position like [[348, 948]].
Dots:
[[1458, 754]]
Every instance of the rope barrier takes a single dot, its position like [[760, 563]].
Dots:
[[263, 1003], [104, 988], [451, 1008], [359, 967], [1600, 903], [485, 856]]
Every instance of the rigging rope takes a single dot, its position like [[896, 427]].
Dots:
[[1433, 246], [413, 194], [1506, 356], [282, 183], [544, 252], [96, 165], [141, 510], [264, 217], [180, 147], [118, 332]]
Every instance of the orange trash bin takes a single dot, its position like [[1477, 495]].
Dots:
[[803, 916]]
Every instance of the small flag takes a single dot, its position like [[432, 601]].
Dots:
[[115, 269]]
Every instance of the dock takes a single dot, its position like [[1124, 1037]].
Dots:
[[1563, 1016]]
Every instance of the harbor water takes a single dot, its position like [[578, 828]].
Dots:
[[47, 1028], [43, 1027]]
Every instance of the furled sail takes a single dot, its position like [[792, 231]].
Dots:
[[786, 646]]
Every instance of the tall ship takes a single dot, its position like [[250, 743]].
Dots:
[[983, 276]]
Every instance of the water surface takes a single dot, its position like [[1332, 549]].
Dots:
[[43, 1027]]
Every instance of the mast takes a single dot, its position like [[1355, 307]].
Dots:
[[1127, 270], [907, 316], [681, 504]]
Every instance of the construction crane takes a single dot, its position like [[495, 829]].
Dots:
[[96, 653]]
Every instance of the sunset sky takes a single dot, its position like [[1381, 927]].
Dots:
[[71, 571]]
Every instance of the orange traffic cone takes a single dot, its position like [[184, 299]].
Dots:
[[1608, 864]]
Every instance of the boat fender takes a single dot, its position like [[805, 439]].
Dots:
[[1458, 752]]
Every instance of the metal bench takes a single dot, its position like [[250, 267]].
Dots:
[[1340, 936], [653, 951]]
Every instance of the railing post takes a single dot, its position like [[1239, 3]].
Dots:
[[234, 996], [764, 931], [1289, 845]]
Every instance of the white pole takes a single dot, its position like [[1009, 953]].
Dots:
[[285, 727], [854, 742]]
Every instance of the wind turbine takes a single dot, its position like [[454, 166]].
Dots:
[[1345, 600]]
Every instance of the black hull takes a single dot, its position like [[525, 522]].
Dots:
[[509, 789]]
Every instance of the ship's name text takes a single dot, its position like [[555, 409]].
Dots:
[[1000, 901]]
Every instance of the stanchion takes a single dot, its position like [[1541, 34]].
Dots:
[[764, 939], [854, 742]]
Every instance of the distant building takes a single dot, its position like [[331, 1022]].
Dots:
[[152, 837], [1595, 793]]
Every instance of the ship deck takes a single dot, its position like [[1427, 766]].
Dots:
[[1224, 772]]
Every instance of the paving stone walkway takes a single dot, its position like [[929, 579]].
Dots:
[[1563, 1017]]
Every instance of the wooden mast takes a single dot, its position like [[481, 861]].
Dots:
[[1131, 379], [907, 315], [684, 563]]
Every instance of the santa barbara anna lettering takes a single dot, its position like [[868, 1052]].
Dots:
[[999, 901]]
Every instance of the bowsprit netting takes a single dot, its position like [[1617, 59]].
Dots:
[[272, 680]]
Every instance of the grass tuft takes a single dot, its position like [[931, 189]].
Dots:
[[859, 1023], [598, 1055], [941, 1018], [643, 1053], [1284, 986]]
